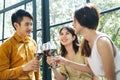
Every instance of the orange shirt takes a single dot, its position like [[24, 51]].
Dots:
[[13, 54]]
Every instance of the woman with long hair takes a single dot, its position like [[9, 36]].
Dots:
[[100, 51], [69, 50]]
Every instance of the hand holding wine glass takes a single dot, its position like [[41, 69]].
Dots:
[[38, 55], [50, 49]]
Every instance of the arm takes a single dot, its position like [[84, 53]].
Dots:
[[8, 72], [107, 55], [80, 67], [18, 71], [58, 75], [5, 71]]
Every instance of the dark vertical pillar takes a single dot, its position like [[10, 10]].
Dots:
[[45, 36], [87, 1], [3, 30], [34, 21]]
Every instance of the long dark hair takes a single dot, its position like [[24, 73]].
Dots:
[[75, 43], [87, 16]]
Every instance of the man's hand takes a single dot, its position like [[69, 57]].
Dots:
[[32, 65]]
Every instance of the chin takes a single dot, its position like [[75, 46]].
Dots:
[[28, 34]]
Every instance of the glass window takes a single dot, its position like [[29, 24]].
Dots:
[[29, 7], [39, 37], [8, 25], [78, 3], [11, 2], [62, 10], [1, 25], [1, 4], [109, 24], [38, 14], [106, 4]]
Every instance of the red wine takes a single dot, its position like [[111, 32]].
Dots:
[[46, 52], [38, 55], [50, 52]]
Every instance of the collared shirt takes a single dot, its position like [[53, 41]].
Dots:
[[13, 54]]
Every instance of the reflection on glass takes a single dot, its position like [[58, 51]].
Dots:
[[39, 53], [50, 49]]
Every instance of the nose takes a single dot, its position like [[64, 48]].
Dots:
[[63, 36]]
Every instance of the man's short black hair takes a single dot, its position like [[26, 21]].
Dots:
[[18, 16]]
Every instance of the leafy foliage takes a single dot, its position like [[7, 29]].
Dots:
[[110, 24]]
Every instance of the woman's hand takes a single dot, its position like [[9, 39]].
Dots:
[[61, 60], [50, 60]]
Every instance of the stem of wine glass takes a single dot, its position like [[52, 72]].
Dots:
[[38, 55]]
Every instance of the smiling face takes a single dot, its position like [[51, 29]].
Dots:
[[66, 37], [25, 27]]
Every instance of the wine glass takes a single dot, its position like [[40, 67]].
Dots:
[[46, 48], [50, 49], [39, 53]]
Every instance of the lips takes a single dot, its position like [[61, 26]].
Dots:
[[64, 40], [29, 31]]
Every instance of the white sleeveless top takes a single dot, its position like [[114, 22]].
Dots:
[[95, 60]]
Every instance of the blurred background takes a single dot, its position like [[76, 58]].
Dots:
[[51, 15]]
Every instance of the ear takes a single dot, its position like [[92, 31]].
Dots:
[[16, 25]]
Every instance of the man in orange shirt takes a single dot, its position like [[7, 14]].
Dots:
[[17, 60]]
